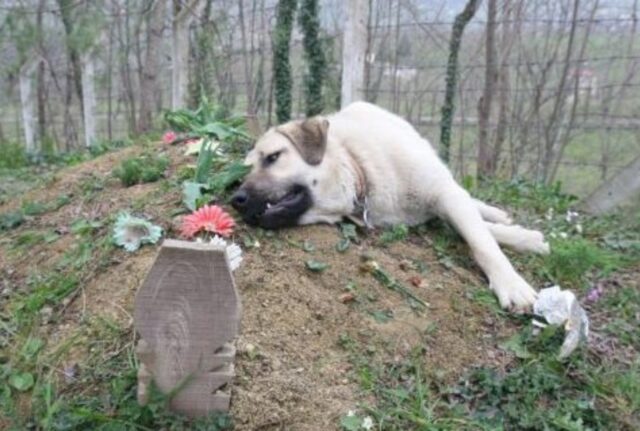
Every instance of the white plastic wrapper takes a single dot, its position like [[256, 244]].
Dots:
[[561, 307]]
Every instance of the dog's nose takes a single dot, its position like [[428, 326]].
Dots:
[[240, 199]]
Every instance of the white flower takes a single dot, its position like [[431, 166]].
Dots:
[[367, 423], [579, 228], [549, 215], [564, 235], [218, 240], [233, 250], [351, 413], [571, 216]]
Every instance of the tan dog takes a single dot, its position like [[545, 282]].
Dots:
[[366, 161]]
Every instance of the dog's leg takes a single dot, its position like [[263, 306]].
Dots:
[[491, 213], [518, 238], [456, 206]]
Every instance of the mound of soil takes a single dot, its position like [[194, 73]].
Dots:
[[292, 371]]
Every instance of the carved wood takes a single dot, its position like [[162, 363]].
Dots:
[[187, 313]]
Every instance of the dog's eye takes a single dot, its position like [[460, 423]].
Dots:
[[271, 158]]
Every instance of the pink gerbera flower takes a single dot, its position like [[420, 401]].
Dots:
[[209, 218], [169, 137]]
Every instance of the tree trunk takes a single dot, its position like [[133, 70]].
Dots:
[[41, 88], [281, 64], [314, 56], [448, 107], [486, 155], [354, 50], [504, 82], [551, 131], [75, 74], [149, 84]]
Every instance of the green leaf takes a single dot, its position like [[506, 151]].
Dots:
[[22, 381], [205, 163], [348, 231], [308, 246], [381, 316], [316, 266], [191, 192], [229, 175], [350, 423], [517, 347], [343, 245], [31, 348], [84, 227]]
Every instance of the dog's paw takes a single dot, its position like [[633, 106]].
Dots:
[[531, 241], [514, 293], [537, 244], [496, 215]]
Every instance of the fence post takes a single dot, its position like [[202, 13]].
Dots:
[[27, 103], [615, 191], [180, 53], [89, 96], [354, 51]]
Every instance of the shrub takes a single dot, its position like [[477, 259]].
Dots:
[[12, 155], [144, 169]]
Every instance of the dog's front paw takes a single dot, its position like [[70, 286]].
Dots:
[[514, 293]]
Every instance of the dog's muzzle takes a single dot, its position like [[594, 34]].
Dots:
[[259, 210]]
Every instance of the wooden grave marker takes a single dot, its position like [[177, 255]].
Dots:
[[187, 313]]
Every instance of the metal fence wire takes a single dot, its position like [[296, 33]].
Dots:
[[565, 102]]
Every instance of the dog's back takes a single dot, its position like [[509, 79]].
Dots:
[[400, 165]]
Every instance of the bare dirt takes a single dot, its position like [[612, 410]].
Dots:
[[292, 371]]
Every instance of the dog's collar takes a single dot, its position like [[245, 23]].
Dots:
[[361, 215], [361, 179]]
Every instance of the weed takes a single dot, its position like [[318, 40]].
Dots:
[[521, 193], [143, 169], [30, 208], [396, 233], [12, 155], [570, 261], [11, 220]]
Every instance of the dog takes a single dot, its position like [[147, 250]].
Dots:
[[368, 163]]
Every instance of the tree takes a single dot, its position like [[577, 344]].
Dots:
[[281, 65], [314, 56], [74, 75], [448, 108], [148, 83], [486, 152]]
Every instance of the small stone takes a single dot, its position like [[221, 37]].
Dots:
[[406, 264], [347, 297]]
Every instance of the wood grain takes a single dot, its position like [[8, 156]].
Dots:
[[187, 313]]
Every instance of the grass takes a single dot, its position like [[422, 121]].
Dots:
[[533, 391], [39, 389], [144, 169], [592, 390]]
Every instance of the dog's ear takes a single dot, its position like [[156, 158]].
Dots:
[[309, 137]]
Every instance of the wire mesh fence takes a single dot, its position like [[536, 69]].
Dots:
[[565, 96]]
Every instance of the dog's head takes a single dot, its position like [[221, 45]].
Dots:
[[285, 162]]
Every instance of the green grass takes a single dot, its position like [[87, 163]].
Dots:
[[571, 261], [591, 390], [144, 169], [12, 155]]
